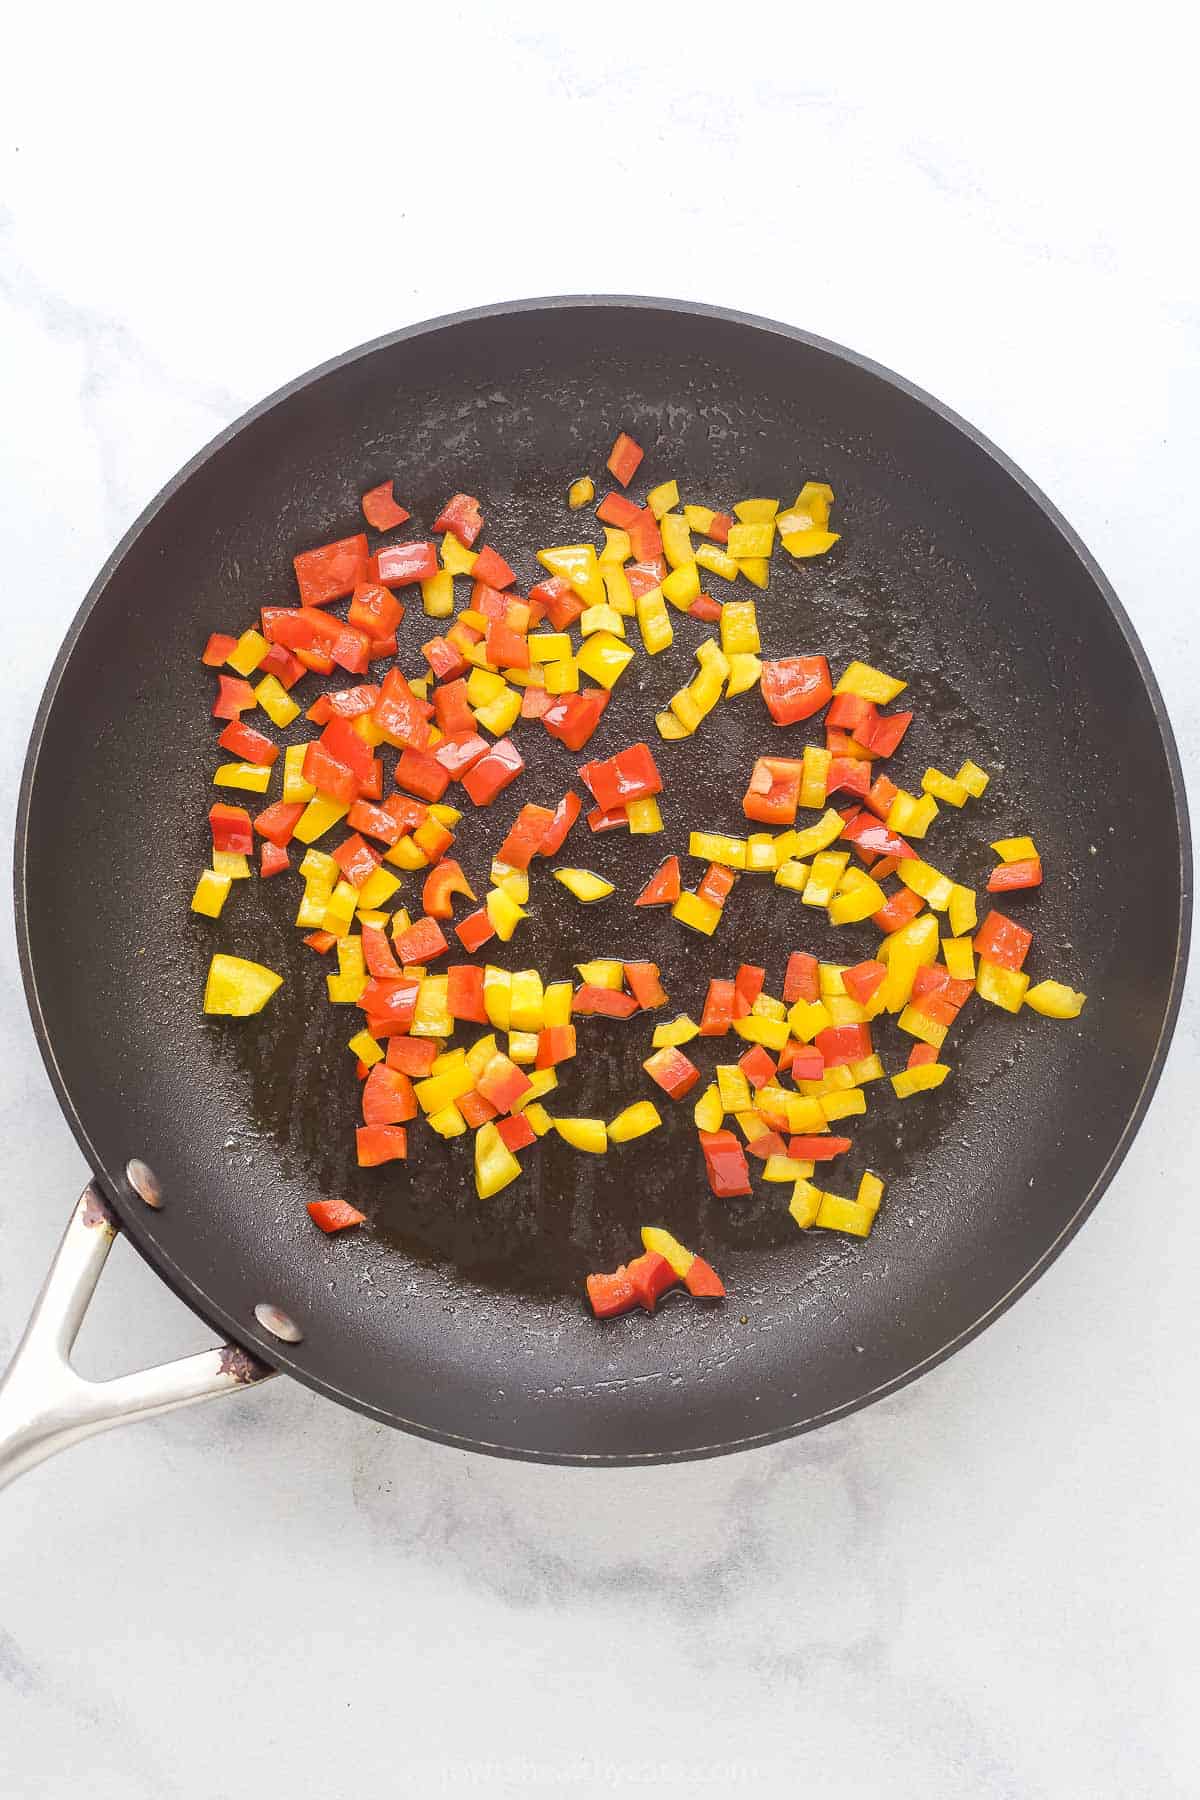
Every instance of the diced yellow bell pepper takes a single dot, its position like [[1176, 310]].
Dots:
[[683, 705], [713, 846], [705, 688], [437, 594], [604, 658], [311, 913], [479, 1055], [744, 673], [973, 779], [826, 831], [654, 622], [526, 1001], [869, 1068], [773, 1034], [708, 1112], [793, 875], [908, 1082], [376, 890], [911, 948], [318, 817], [644, 816], [432, 1016], [522, 1047], [672, 728], [365, 727], [583, 1134], [1005, 988], [584, 885], [580, 492], [663, 1244], [448, 1122], [852, 1216], [860, 902], [456, 559], [760, 853], [603, 971], [401, 922], [843, 1010], [495, 1164], [963, 913], [504, 913], [755, 539], [556, 1003], [869, 684], [765, 1006], [935, 889], [634, 1122], [717, 561], [501, 714], [562, 677], [831, 980], [515, 882], [340, 909], [618, 591], [366, 1048], [212, 891], [805, 1203], [786, 1168], [236, 988], [752, 1125], [814, 774], [676, 1031], [804, 1114], [806, 1018], [276, 702], [549, 646], [920, 1025], [232, 863], [699, 518], [577, 564], [697, 913], [733, 1088], [958, 954], [662, 498], [1054, 1000], [255, 778], [1015, 849], [541, 1083], [676, 540], [316, 866], [295, 788], [739, 628], [755, 512], [756, 569], [814, 542], [601, 618], [617, 548], [912, 817], [682, 586], [538, 1117], [350, 957], [845, 1105], [405, 854], [944, 787], [248, 652], [827, 870], [476, 620], [484, 686]]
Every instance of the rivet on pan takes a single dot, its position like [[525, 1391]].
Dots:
[[276, 1321], [144, 1182]]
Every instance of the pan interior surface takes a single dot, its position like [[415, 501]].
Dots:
[[463, 1319]]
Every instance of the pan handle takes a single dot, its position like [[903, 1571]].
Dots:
[[45, 1405]]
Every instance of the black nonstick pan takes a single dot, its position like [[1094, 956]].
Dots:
[[465, 1321]]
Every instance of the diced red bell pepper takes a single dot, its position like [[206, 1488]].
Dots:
[[663, 887], [774, 791], [919, 1055], [461, 515], [817, 1149], [748, 985], [886, 733], [846, 776], [564, 816], [408, 813], [414, 1057], [645, 539], [616, 510], [930, 979], [840, 1044], [608, 1003], [464, 993], [841, 744], [329, 776], [525, 836], [441, 884], [716, 884], [871, 835], [378, 954], [436, 839], [393, 1002], [272, 859], [535, 702], [802, 980], [651, 1276], [717, 1017], [356, 859], [611, 1294], [351, 650], [231, 829], [381, 648], [900, 910], [631, 774], [373, 820], [341, 741], [850, 711], [278, 821], [1008, 877], [460, 751], [344, 703], [807, 1063], [398, 565], [375, 610], [452, 708], [334, 1215], [1001, 940], [493, 772], [320, 941], [768, 1143], [880, 796], [506, 648], [644, 577], [421, 774], [706, 608], [503, 1082], [474, 932], [516, 1133], [599, 820], [672, 1071], [422, 942], [573, 717], [563, 605], [446, 662], [491, 567], [758, 1066], [400, 714], [624, 457], [881, 867], [219, 647], [645, 985], [279, 662], [331, 571], [556, 1043], [388, 1097], [234, 697], [380, 1144], [247, 744], [725, 1164], [861, 981], [795, 687], [380, 509], [702, 1280]]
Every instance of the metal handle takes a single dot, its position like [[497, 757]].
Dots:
[[45, 1405]]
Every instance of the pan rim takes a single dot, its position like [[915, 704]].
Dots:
[[269, 1349]]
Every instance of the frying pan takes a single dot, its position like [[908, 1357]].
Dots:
[[463, 1321]]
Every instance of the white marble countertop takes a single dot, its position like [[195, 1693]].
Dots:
[[986, 1585]]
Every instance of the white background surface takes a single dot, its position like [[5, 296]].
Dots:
[[984, 1586]]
